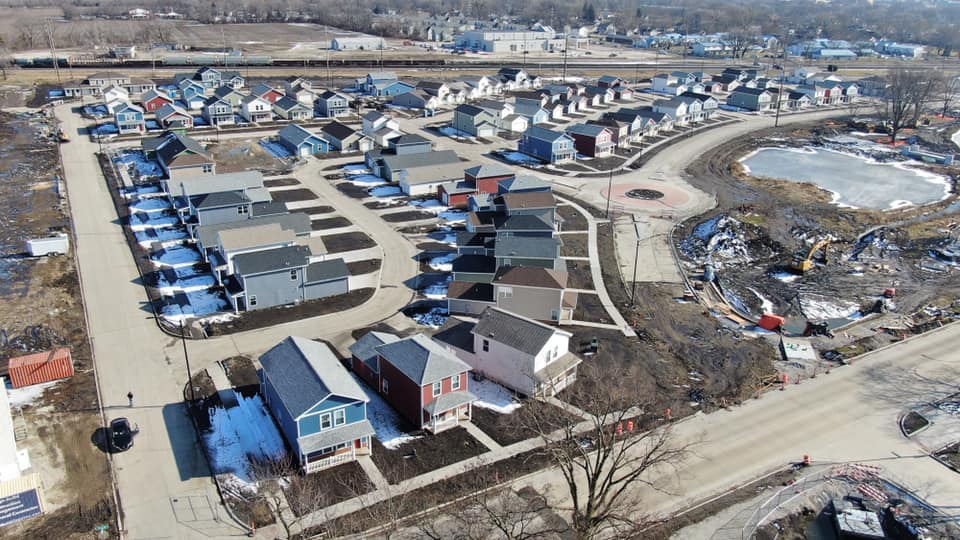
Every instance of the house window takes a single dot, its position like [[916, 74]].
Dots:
[[506, 292], [437, 387], [325, 421], [242, 210], [455, 382], [486, 345], [386, 387], [339, 417], [293, 275], [253, 300], [208, 167]]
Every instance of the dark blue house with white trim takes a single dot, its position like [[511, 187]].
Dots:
[[319, 406], [548, 145]]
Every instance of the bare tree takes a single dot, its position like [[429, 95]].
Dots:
[[948, 92], [293, 500], [907, 96], [606, 459], [493, 511]]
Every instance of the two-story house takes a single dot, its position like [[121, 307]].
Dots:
[[179, 155], [266, 92], [537, 293], [474, 121], [129, 119], [192, 93], [332, 104], [283, 276], [674, 107], [173, 117], [423, 381], [320, 408], [591, 139], [231, 96], [255, 109], [218, 112], [751, 99], [524, 355], [154, 100], [709, 105], [547, 145], [344, 138]]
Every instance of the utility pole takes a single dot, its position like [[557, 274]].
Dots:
[[186, 358], [633, 284], [609, 192], [53, 50], [563, 74], [776, 118]]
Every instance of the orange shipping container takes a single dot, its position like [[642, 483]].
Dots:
[[41, 367], [769, 321]]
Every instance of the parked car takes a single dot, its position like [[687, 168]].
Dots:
[[121, 434]]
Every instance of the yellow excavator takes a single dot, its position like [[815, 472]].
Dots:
[[802, 264]]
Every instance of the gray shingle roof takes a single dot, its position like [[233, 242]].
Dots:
[[172, 144], [523, 222], [219, 199], [338, 130], [488, 170], [423, 159], [332, 437], [544, 134], [271, 260], [523, 182], [298, 222], [422, 360], [365, 349], [590, 130], [531, 276], [527, 247], [327, 270], [295, 134], [270, 208], [475, 264], [287, 103], [519, 333], [409, 138], [306, 372], [451, 400]]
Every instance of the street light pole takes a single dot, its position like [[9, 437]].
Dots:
[[633, 286], [186, 357], [609, 192]]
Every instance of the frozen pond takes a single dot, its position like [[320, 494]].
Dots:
[[854, 181]]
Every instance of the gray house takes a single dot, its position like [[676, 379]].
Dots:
[[751, 99], [344, 138], [283, 276], [229, 95], [332, 104], [218, 112], [529, 251], [474, 121]]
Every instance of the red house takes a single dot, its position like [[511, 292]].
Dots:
[[455, 194], [423, 381], [154, 100], [591, 139], [486, 178]]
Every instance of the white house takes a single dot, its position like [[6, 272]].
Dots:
[[675, 107], [256, 109], [527, 356]]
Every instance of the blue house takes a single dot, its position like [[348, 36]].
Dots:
[[532, 111], [319, 406], [375, 78], [548, 145], [191, 91], [129, 119], [301, 142], [332, 104], [391, 89]]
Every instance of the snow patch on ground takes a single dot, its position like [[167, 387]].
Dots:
[[186, 280], [453, 216], [785, 277], [819, 308], [199, 304], [153, 204], [444, 236], [519, 157], [177, 256], [450, 131], [385, 419], [720, 240], [429, 205], [144, 220], [435, 318], [491, 395], [443, 263], [438, 291], [242, 433], [385, 192], [28, 395], [365, 180], [765, 304], [165, 234]]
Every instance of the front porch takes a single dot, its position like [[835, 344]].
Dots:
[[448, 411]]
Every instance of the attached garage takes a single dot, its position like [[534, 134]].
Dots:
[[326, 278]]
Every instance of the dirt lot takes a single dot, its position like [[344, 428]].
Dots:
[[334, 485], [293, 195], [425, 454], [590, 309], [572, 219], [314, 210], [579, 272], [358, 268], [338, 243], [410, 215], [41, 308], [329, 223], [510, 428], [281, 182], [262, 318], [574, 245], [242, 154], [353, 191]]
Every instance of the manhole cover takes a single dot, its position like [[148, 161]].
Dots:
[[645, 194]]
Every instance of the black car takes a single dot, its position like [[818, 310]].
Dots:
[[121, 434]]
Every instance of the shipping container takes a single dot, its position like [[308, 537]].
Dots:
[[53, 245], [41, 367]]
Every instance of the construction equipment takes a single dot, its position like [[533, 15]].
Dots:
[[805, 263]]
